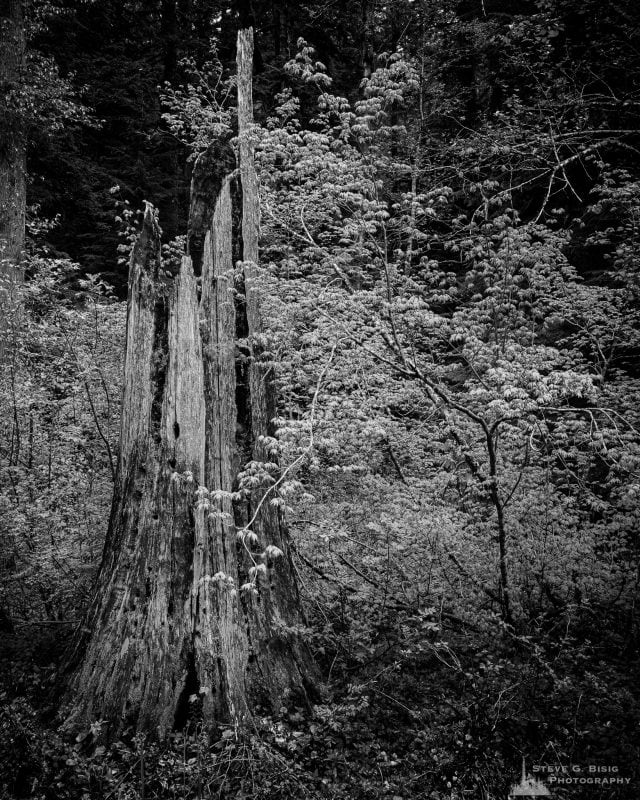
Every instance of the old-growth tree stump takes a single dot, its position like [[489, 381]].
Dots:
[[169, 620]]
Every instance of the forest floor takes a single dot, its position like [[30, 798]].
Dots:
[[415, 703]]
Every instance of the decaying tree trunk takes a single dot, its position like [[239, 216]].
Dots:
[[169, 621], [256, 406], [209, 171]]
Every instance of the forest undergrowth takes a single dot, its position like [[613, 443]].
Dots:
[[450, 283]]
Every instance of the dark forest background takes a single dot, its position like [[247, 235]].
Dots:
[[450, 198]]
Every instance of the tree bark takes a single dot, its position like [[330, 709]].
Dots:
[[210, 170], [170, 634], [137, 640], [12, 138], [161, 627], [366, 47], [12, 166]]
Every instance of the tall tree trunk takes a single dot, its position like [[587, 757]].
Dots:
[[12, 136], [12, 163], [170, 620], [367, 12]]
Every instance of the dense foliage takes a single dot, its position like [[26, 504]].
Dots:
[[450, 199]]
